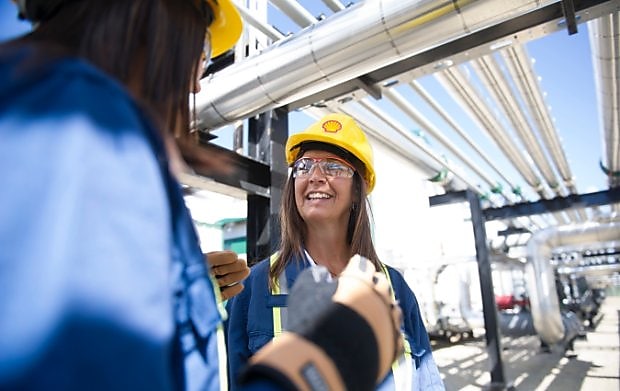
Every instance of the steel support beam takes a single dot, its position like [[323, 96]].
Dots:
[[493, 337], [225, 166], [489, 308], [556, 204], [267, 136]]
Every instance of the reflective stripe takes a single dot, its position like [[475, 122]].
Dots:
[[277, 311], [219, 334], [403, 367], [221, 354]]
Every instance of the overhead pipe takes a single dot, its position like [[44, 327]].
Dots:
[[264, 28], [604, 35], [304, 19], [404, 132], [457, 128], [492, 77], [461, 90], [400, 102], [401, 140], [348, 44], [295, 11], [545, 308], [520, 67], [413, 148], [334, 5]]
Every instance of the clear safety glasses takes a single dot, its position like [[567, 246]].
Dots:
[[330, 167]]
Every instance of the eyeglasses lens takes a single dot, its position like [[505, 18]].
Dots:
[[329, 167]]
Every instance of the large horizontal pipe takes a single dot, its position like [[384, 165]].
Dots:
[[350, 43]]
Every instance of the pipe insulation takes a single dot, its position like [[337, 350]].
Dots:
[[604, 40], [350, 43], [540, 273]]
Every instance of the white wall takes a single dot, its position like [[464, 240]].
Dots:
[[401, 211]]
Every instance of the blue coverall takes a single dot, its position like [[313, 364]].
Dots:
[[102, 282], [250, 323]]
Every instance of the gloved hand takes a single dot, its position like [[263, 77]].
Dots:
[[342, 335], [229, 270]]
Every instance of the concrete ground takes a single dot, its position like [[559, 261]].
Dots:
[[594, 364]]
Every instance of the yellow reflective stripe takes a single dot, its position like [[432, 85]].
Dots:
[[219, 334], [277, 317], [223, 360], [400, 375]]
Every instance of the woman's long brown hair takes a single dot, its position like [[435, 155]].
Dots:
[[152, 44]]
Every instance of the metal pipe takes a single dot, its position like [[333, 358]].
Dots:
[[398, 140], [457, 85], [492, 77], [348, 44], [520, 68], [402, 130], [456, 127], [421, 120], [264, 28], [597, 270], [473, 318], [604, 40], [295, 11], [334, 5], [540, 274]]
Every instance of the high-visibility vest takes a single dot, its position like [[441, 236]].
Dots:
[[403, 368]]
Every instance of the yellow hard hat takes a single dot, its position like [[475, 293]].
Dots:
[[226, 27], [339, 130]]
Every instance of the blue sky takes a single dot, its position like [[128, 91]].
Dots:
[[562, 61]]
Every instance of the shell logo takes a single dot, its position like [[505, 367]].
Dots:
[[332, 126]]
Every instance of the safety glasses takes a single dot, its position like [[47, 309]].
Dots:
[[330, 167]]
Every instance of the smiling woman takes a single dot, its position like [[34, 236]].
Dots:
[[325, 220]]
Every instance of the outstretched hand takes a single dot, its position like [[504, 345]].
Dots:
[[229, 271]]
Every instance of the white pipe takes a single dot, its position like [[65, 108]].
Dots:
[[450, 121], [417, 141], [266, 29], [295, 11], [540, 274], [398, 100], [473, 318], [489, 73], [397, 139], [604, 40], [460, 89], [526, 81], [334, 5]]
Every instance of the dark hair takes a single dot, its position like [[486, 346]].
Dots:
[[293, 227], [152, 46]]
